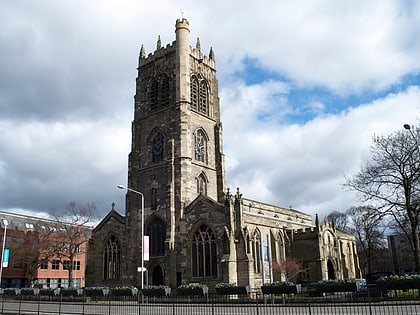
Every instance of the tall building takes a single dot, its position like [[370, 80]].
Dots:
[[198, 230]]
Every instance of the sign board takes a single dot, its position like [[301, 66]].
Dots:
[[146, 247], [6, 254]]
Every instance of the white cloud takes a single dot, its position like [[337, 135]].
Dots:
[[67, 80], [304, 166]]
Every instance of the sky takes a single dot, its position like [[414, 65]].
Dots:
[[304, 87]]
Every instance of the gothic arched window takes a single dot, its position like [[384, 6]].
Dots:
[[200, 146], [256, 251], [159, 92], [204, 253], [157, 148], [156, 230], [112, 259], [164, 91], [199, 95], [194, 92], [202, 105], [202, 184], [153, 95]]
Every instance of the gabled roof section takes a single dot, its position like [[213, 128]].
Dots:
[[113, 214], [203, 199]]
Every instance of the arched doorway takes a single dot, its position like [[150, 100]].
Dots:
[[331, 272], [157, 276]]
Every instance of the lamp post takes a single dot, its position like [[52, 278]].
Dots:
[[408, 127], [142, 229], [2, 250]]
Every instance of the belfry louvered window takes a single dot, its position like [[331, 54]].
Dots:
[[202, 102], [199, 95], [194, 93], [159, 92]]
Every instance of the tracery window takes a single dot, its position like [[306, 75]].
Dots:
[[157, 149], [112, 259], [204, 252], [199, 95], [200, 146], [156, 230]]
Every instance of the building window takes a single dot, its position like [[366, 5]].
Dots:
[[43, 283], [53, 283], [44, 264], [64, 282], [157, 233], [194, 93], [55, 265], [202, 184], [29, 226], [154, 95], [112, 259], [199, 95], [159, 92], [200, 146], [202, 104], [204, 253], [76, 265], [256, 251], [164, 91], [66, 265], [158, 148]]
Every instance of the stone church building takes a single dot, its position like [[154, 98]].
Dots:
[[198, 230]]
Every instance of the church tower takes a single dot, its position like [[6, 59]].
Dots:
[[198, 230], [176, 152]]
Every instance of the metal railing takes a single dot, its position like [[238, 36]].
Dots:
[[369, 302]]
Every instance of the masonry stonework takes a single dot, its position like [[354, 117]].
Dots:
[[199, 231]]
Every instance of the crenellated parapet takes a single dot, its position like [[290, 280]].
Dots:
[[157, 54], [160, 52], [305, 233]]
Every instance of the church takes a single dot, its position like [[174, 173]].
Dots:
[[181, 223]]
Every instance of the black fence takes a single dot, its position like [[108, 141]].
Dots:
[[306, 302]]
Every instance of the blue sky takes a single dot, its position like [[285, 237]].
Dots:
[[303, 86]]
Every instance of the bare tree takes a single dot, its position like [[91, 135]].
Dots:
[[291, 268], [367, 226], [32, 248], [391, 181], [340, 220], [72, 231]]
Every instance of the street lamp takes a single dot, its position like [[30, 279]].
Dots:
[[408, 127], [2, 250], [142, 229]]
